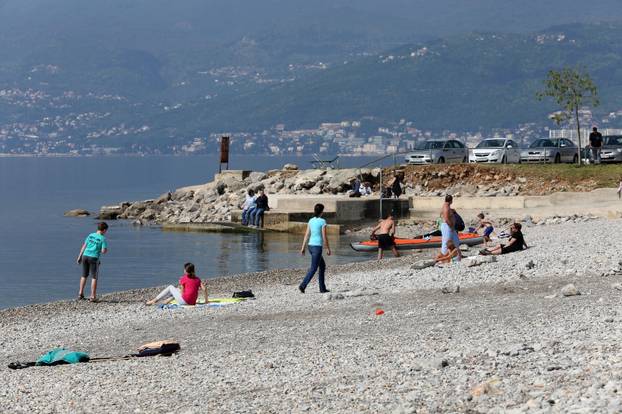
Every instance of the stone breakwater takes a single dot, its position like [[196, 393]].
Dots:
[[510, 336], [214, 201]]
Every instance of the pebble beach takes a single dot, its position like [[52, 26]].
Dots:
[[503, 337]]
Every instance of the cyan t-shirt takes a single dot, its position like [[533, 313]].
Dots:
[[315, 225], [95, 243]]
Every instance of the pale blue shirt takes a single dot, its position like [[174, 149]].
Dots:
[[315, 227]]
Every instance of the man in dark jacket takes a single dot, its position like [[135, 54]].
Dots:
[[261, 206], [596, 144]]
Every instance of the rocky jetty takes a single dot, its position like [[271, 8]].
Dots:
[[214, 201]]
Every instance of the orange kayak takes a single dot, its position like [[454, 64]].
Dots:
[[470, 239]]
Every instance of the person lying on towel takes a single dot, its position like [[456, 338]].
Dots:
[[188, 290]]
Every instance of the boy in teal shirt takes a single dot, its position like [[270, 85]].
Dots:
[[94, 246]]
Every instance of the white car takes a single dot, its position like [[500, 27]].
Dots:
[[438, 152], [500, 150]]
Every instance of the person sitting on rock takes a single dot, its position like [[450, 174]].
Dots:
[[248, 207], [515, 244], [188, 290], [450, 256]]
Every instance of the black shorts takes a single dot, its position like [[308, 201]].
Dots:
[[90, 265], [385, 241], [509, 249]]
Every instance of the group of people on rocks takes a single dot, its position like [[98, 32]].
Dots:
[[253, 208]]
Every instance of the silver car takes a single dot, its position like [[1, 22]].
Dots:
[[439, 152], [612, 149], [496, 150], [551, 150]]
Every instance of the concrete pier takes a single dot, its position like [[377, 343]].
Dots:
[[291, 212]]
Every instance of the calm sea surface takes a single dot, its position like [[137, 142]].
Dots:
[[38, 246]]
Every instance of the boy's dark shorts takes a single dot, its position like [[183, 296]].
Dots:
[[488, 231], [90, 265], [385, 241]]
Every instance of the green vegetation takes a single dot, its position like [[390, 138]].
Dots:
[[571, 89], [602, 176]]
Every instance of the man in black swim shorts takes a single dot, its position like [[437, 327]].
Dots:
[[385, 232]]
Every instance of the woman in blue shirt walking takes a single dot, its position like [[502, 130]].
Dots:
[[316, 236]]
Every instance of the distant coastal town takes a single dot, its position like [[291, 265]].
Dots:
[[89, 133]]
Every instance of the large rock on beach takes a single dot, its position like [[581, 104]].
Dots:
[[422, 264], [570, 290], [78, 212], [478, 260], [112, 212], [290, 167]]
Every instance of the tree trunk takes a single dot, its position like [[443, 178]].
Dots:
[[576, 114]]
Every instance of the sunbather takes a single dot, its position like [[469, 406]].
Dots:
[[450, 256], [188, 290], [515, 244]]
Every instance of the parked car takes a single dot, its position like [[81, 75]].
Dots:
[[496, 150], [439, 152], [612, 149], [551, 150]]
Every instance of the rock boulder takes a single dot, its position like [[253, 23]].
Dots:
[[79, 212]]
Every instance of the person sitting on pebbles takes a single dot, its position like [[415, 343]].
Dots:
[[515, 244], [450, 256], [188, 290]]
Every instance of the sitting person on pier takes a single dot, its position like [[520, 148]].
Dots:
[[356, 188], [248, 207], [365, 189], [188, 290], [515, 244], [261, 206]]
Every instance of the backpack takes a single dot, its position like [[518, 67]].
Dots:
[[166, 348], [244, 294], [458, 222]]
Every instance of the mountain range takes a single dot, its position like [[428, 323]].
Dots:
[[194, 67]]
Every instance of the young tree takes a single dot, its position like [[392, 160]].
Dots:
[[571, 89]]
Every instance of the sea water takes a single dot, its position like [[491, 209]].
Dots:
[[38, 246]]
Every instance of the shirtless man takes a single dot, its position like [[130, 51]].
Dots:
[[384, 231], [448, 227]]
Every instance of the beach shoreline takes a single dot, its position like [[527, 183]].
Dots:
[[500, 337]]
